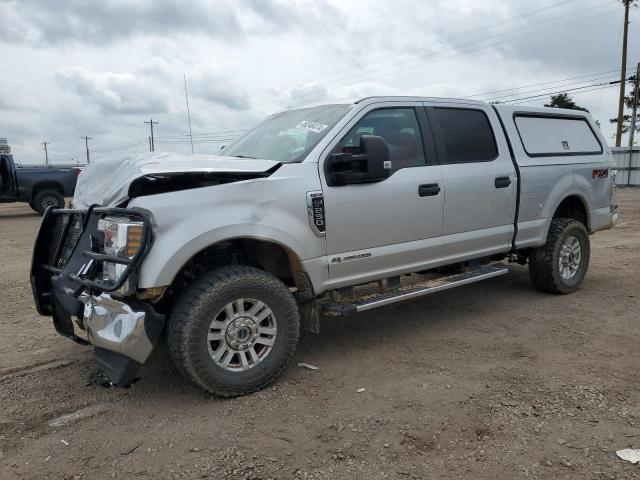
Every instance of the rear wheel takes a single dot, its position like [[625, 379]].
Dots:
[[45, 199], [234, 331], [560, 265]]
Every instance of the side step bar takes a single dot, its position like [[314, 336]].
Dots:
[[419, 289]]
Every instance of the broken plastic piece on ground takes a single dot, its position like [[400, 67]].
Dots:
[[629, 454], [360, 390], [308, 366], [81, 414]]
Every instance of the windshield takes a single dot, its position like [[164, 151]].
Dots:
[[288, 136]]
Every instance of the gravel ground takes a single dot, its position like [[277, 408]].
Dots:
[[493, 380]]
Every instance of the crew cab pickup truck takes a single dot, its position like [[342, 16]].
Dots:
[[40, 187], [327, 210]]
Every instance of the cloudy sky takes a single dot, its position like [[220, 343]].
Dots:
[[101, 68]]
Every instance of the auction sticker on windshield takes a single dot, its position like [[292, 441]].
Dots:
[[311, 126]]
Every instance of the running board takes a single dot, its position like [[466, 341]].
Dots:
[[416, 290]]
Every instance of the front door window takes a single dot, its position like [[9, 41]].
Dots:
[[399, 129]]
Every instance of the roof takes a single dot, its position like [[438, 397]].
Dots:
[[400, 98]]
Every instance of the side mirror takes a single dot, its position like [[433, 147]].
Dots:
[[370, 164], [376, 154]]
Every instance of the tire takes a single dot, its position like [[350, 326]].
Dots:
[[545, 262], [46, 198], [201, 326]]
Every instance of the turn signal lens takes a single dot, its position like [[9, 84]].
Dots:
[[122, 237], [134, 240]]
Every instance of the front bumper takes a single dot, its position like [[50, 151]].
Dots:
[[118, 327], [65, 281]]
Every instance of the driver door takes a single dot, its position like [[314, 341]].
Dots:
[[380, 229], [8, 188]]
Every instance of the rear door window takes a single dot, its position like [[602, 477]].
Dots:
[[467, 135], [556, 136]]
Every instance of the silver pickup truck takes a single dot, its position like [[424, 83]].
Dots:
[[327, 210]]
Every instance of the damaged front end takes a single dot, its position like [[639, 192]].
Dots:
[[83, 274]]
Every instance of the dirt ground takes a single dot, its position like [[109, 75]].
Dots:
[[490, 381]]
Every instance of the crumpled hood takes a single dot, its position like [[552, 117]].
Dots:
[[106, 182]]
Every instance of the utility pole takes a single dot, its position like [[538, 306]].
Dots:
[[86, 144], [152, 145], [186, 96], [623, 73], [632, 130], [46, 153]]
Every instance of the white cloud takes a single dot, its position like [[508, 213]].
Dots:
[[114, 93]]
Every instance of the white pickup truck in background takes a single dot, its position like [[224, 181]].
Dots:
[[333, 210]]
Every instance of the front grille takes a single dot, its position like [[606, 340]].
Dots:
[[66, 232]]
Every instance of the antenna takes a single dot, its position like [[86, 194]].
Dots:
[[186, 96]]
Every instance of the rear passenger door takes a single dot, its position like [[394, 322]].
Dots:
[[479, 177]]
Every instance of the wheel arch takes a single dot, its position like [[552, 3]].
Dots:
[[267, 254], [573, 206], [46, 185]]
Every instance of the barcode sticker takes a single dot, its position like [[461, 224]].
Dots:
[[311, 126]]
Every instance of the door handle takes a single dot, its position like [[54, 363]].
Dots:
[[503, 182], [429, 190]]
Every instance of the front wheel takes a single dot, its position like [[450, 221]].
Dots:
[[45, 199], [234, 331], [560, 265]]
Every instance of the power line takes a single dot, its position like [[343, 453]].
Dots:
[[186, 142], [565, 90], [541, 83], [208, 133], [549, 90], [521, 101], [384, 70], [197, 136], [191, 136], [121, 146], [508, 40], [414, 49], [573, 91], [393, 67]]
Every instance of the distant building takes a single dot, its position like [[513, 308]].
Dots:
[[4, 146]]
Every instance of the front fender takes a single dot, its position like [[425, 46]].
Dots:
[[188, 221], [173, 250]]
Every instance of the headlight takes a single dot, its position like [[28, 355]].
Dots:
[[122, 238]]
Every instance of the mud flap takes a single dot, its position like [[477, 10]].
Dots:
[[309, 316]]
